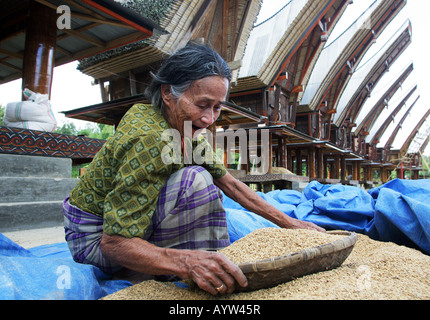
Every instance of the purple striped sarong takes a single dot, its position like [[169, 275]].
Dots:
[[189, 215], [83, 235]]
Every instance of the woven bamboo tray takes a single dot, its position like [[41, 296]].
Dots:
[[271, 272]]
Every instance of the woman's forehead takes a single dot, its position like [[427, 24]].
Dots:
[[211, 88]]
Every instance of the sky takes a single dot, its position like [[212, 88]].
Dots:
[[71, 89]]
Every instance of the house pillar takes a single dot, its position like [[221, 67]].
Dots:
[[39, 53]]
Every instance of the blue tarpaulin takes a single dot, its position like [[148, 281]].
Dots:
[[49, 273], [398, 211]]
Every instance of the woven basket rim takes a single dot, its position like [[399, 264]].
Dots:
[[279, 262]]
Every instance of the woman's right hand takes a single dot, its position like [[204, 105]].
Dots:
[[208, 269], [211, 271]]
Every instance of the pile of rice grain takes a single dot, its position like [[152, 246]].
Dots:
[[274, 242], [373, 270]]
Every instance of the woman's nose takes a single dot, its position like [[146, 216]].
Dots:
[[208, 116]]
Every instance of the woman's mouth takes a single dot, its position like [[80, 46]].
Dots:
[[192, 129], [195, 128]]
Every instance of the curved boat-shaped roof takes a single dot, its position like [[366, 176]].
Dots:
[[223, 24], [368, 74], [367, 124], [410, 121], [383, 128], [416, 140], [392, 137], [277, 38], [265, 37], [332, 71], [361, 118]]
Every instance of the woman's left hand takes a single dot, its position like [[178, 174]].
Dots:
[[299, 224]]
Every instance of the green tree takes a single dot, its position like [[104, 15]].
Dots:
[[97, 131], [425, 161], [68, 128], [2, 111], [105, 131], [91, 130]]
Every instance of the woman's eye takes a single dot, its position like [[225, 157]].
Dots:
[[203, 107]]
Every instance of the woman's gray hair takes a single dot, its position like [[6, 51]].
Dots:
[[193, 62]]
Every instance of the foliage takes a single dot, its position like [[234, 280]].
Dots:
[[95, 131], [75, 169], [92, 130], [67, 128], [425, 161], [2, 110]]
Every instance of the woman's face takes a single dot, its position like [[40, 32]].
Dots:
[[200, 104]]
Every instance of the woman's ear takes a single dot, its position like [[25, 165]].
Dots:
[[166, 94]]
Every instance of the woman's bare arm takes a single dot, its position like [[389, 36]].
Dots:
[[209, 270], [242, 194]]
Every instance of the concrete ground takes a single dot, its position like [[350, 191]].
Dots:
[[36, 237]]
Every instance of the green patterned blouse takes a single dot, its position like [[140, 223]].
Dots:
[[123, 182]]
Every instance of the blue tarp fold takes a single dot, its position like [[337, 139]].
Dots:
[[398, 211], [402, 213]]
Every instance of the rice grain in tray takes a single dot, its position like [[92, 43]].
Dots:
[[373, 270], [273, 242]]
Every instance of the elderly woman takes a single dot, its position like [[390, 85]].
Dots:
[[134, 210]]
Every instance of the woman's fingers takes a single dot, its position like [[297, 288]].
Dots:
[[216, 274], [233, 274]]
